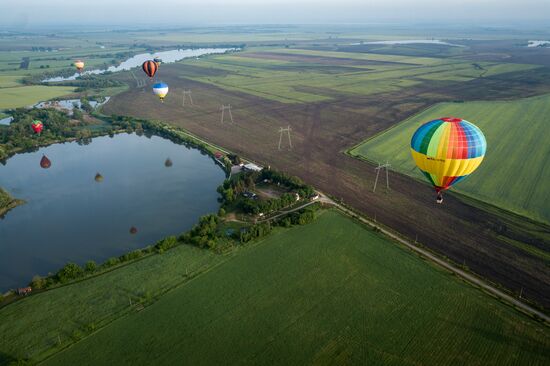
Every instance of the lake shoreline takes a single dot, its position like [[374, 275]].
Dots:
[[11, 204]]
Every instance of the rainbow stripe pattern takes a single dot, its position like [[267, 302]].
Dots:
[[447, 150]]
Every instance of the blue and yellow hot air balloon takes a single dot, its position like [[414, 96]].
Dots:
[[160, 89], [447, 150]]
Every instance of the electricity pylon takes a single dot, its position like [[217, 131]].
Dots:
[[281, 131], [378, 169], [188, 93], [223, 108]]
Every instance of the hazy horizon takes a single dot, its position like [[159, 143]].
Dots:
[[34, 14]]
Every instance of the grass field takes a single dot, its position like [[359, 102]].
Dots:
[[27, 95], [516, 168], [303, 76], [332, 292], [41, 325]]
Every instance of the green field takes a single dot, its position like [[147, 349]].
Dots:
[[40, 325], [303, 76], [515, 172], [332, 292], [27, 95]]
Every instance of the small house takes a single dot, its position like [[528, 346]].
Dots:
[[24, 291], [250, 167]]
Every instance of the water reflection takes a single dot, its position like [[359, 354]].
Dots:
[[45, 163], [75, 218]]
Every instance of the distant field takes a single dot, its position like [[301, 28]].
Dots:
[[27, 95], [332, 292], [516, 169], [303, 76]]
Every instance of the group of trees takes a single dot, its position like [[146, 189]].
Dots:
[[231, 189], [87, 82], [203, 234], [58, 126]]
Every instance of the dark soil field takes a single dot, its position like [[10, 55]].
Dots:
[[321, 133]]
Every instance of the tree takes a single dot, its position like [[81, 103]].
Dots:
[[38, 282], [77, 114], [221, 212], [69, 272], [90, 267]]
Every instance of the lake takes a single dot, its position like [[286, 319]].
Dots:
[[136, 61], [72, 216]]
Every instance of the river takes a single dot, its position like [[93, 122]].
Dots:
[[136, 61]]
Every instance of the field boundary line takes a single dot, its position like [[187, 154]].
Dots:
[[434, 258]]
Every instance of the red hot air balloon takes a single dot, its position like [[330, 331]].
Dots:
[[37, 126], [150, 68], [45, 163]]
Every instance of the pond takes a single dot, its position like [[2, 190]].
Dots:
[[86, 205], [69, 104], [136, 61], [6, 121]]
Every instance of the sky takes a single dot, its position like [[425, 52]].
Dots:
[[26, 14]]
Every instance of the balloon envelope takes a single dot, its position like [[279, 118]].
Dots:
[[150, 68], [160, 89], [79, 65], [37, 126], [447, 150]]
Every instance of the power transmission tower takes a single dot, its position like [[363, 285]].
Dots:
[[281, 131], [188, 93], [378, 169], [228, 107], [139, 82]]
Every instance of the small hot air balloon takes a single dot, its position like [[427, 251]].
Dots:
[[45, 163], [447, 150], [160, 89], [37, 127], [157, 60], [79, 65], [168, 163], [150, 68], [133, 230], [98, 178]]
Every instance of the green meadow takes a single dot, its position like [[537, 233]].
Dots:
[[28, 95], [515, 172], [331, 292]]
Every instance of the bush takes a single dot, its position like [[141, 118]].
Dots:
[[69, 272], [38, 282], [166, 244], [90, 266]]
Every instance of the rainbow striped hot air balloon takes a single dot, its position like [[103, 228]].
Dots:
[[447, 150], [160, 89]]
